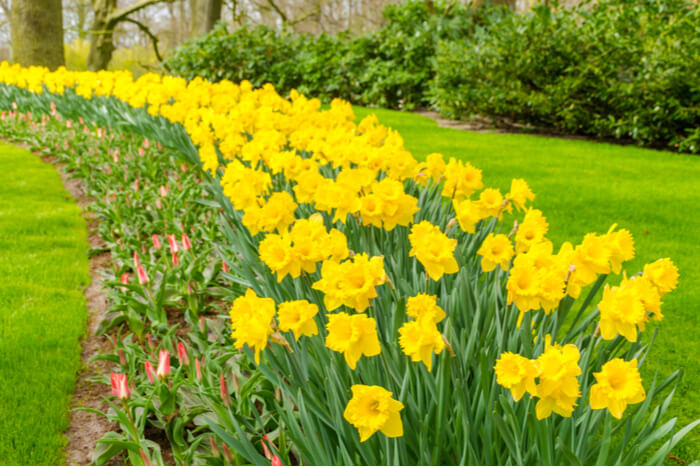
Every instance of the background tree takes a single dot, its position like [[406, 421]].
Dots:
[[204, 15], [37, 32], [106, 17]]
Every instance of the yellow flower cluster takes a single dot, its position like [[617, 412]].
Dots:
[[306, 244], [557, 371], [433, 249], [420, 337], [251, 319], [618, 384], [496, 250], [372, 409], [351, 283], [353, 336]]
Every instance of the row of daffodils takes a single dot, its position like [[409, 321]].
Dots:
[[399, 311]]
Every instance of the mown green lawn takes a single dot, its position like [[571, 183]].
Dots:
[[43, 271], [585, 187]]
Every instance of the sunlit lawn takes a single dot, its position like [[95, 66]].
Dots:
[[43, 270]]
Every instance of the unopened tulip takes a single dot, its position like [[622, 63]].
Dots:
[[124, 280], [120, 386], [156, 242], [143, 277], [175, 260], [224, 266], [186, 245], [182, 354], [197, 369], [223, 391], [172, 241], [149, 371], [163, 191], [163, 364], [137, 261]]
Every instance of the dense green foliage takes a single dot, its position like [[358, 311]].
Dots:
[[617, 69], [44, 266], [390, 67]]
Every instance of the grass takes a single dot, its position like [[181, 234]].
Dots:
[[43, 271], [585, 187]]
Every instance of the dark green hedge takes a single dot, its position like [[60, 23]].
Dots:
[[390, 67], [622, 69], [619, 69]]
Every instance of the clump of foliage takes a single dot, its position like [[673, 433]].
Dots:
[[614, 69], [389, 67]]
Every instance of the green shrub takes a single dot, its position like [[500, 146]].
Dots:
[[390, 67], [616, 69]]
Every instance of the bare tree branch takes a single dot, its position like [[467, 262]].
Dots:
[[120, 15], [278, 10], [145, 30]]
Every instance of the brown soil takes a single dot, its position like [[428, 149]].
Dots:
[[86, 427]]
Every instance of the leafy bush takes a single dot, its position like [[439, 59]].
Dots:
[[618, 69], [389, 67]]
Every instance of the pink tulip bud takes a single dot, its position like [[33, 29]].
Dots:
[[69, 123], [182, 354], [65, 144], [175, 260], [136, 185], [156, 242], [53, 108], [159, 204], [214, 449], [99, 133], [197, 369], [137, 261], [120, 386], [14, 106], [122, 358], [224, 266], [146, 143], [186, 245], [276, 461], [143, 277], [172, 241], [266, 450], [227, 453], [149, 371], [80, 119], [163, 364], [163, 191], [223, 391], [124, 280], [183, 167], [144, 458], [141, 152]]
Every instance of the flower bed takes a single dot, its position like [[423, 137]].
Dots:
[[381, 310]]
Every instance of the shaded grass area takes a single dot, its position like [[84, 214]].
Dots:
[[43, 271], [585, 187]]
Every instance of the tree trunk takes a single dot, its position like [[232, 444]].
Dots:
[[205, 14], [101, 35], [37, 33]]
